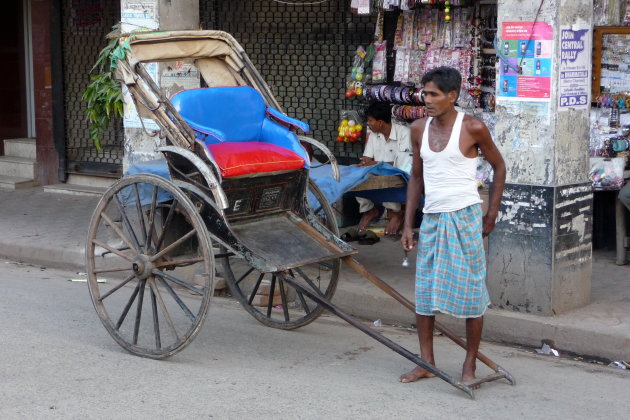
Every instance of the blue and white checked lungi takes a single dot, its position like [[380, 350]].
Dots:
[[451, 264]]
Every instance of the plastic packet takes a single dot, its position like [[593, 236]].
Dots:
[[358, 74], [379, 65], [350, 129], [607, 173], [380, 24], [398, 34]]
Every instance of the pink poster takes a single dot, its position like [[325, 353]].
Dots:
[[526, 52], [534, 87]]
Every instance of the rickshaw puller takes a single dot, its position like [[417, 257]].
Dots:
[[451, 264]]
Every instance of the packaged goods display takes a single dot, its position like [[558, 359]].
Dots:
[[413, 37]]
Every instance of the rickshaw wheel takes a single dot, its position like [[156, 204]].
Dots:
[[288, 309], [150, 266]]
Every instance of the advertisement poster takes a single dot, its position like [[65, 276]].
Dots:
[[527, 46], [181, 76], [85, 13], [137, 16], [574, 86]]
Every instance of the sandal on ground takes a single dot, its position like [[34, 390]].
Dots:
[[370, 238], [351, 235]]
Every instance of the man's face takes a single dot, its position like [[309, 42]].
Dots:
[[375, 125], [436, 101]]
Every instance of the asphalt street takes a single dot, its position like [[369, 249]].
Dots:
[[59, 362]]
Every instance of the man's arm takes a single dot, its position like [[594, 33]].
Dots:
[[480, 133], [368, 152], [415, 187], [367, 161]]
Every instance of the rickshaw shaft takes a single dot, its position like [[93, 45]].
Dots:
[[378, 336], [359, 268]]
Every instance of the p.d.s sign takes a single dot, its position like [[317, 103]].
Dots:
[[574, 100]]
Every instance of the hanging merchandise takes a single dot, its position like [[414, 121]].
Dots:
[[350, 129], [391, 4], [398, 35], [424, 39], [408, 112], [358, 75], [607, 173], [360, 7], [413, 37], [379, 64], [378, 29], [393, 94]]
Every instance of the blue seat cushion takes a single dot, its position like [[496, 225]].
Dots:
[[235, 112]]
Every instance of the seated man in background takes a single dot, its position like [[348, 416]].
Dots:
[[386, 142]]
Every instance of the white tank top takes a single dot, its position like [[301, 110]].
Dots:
[[450, 178]]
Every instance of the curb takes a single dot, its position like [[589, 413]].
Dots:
[[44, 256], [569, 332]]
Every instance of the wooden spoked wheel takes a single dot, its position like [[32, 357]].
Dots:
[[272, 301], [150, 266]]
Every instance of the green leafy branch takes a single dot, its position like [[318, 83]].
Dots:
[[103, 95]]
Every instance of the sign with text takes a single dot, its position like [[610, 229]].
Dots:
[[526, 61], [575, 68]]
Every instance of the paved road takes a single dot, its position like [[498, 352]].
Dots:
[[58, 361]]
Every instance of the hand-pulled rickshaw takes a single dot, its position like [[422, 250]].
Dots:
[[239, 199]]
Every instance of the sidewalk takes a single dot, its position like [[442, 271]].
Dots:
[[50, 229]]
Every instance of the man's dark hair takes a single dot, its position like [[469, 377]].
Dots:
[[447, 79], [379, 111]]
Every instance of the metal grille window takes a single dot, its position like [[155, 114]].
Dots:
[[303, 52], [84, 25]]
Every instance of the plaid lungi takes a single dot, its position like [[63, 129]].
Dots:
[[451, 264]]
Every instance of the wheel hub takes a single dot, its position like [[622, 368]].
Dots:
[[142, 266]]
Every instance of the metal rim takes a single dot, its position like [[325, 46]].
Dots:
[[150, 266], [288, 309]]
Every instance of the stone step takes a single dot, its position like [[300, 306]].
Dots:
[[17, 166], [90, 180], [15, 182], [24, 148], [74, 189]]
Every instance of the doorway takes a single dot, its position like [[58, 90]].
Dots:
[[14, 121]]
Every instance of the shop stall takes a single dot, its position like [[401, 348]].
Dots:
[[610, 133], [412, 37]]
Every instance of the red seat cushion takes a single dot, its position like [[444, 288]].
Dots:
[[243, 158]]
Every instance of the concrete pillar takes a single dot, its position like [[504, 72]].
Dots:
[[540, 257], [163, 15]]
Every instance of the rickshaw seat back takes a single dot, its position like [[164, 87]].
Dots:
[[234, 113], [223, 116]]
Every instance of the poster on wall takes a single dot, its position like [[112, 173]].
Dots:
[[139, 16], [179, 76], [574, 86], [526, 50], [86, 16]]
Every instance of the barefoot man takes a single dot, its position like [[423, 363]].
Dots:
[[451, 265]]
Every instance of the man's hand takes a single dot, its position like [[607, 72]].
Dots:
[[488, 224], [407, 240], [367, 161]]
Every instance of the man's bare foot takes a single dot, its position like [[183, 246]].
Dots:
[[395, 221], [367, 218], [416, 374], [468, 374]]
